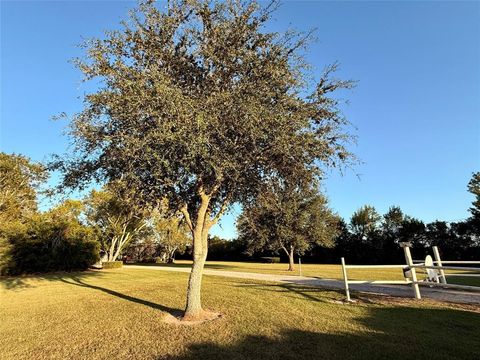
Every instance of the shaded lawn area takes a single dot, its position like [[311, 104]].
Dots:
[[324, 271], [118, 314]]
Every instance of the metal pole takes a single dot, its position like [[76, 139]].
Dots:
[[345, 279], [300, 265], [408, 258], [436, 255]]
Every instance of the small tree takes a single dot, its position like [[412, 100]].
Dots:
[[201, 105], [171, 234], [115, 217], [289, 219]]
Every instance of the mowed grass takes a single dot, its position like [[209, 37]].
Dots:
[[325, 271], [118, 314]]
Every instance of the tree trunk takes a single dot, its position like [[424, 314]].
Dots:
[[199, 229], [291, 260], [194, 308]]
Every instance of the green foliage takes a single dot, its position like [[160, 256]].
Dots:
[[50, 242], [112, 264], [200, 100], [115, 217], [222, 249], [170, 233], [19, 181], [288, 218], [474, 189], [142, 249], [365, 221]]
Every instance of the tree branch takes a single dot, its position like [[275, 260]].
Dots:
[[220, 212], [186, 215]]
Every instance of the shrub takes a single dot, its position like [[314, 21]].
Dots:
[[270, 259], [112, 264], [45, 244]]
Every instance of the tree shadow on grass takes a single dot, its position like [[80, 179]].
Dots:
[[382, 333], [308, 292], [14, 283], [77, 281], [21, 282]]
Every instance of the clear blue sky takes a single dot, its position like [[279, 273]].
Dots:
[[416, 107]]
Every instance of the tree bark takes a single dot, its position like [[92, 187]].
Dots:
[[193, 309], [291, 260], [200, 228]]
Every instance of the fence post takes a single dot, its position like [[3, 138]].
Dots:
[[436, 255], [345, 279], [408, 258], [300, 265]]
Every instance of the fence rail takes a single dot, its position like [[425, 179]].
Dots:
[[409, 271]]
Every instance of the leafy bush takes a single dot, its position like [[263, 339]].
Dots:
[[112, 264], [270, 259], [47, 244]]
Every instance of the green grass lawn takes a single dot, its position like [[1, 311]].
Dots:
[[118, 314], [326, 271]]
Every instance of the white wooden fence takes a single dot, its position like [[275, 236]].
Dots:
[[410, 273]]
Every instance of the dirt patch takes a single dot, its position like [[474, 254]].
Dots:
[[177, 318]]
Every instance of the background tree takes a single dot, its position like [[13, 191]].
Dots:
[[364, 222], [200, 104], [289, 219], [171, 234], [55, 240], [116, 218], [143, 248], [474, 189], [391, 224], [20, 179], [472, 224]]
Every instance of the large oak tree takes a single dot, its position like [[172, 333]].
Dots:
[[200, 104]]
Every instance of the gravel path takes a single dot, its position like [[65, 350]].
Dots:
[[392, 290]]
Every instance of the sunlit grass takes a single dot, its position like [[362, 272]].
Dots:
[[325, 271], [118, 314]]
